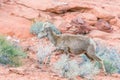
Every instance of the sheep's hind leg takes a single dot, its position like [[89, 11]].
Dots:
[[92, 55], [103, 67]]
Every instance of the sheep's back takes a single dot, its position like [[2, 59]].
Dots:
[[76, 43]]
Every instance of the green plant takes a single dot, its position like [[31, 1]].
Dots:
[[110, 57], [9, 54], [71, 68], [37, 27], [110, 67], [87, 69]]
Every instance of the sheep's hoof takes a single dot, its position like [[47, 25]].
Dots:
[[104, 73], [47, 63]]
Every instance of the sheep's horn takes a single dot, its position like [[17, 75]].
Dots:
[[45, 24]]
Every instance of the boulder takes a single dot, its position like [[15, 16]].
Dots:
[[88, 17], [103, 25]]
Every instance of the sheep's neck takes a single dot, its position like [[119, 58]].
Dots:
[[52, 37]]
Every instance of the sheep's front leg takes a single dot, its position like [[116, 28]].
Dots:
[[49, 56], [48, 59], [67, 51], [63, 49]]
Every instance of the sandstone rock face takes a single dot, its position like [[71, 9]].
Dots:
[[89, 18], [14, 26], [81, 26], [24, 11], [103, 26], [102, 14]]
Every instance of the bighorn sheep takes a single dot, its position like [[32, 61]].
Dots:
[[76, 44]]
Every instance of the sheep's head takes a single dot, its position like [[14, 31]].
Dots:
[[44, 30]]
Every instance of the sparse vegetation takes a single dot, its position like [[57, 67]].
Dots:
[[110, 56], [44, 52], [36, 27], [67, 68], [87, 69], [71, 68], [110, 67], [9, 54]]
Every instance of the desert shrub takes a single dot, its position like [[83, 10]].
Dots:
[[67, 68], [111, 58], [110, 67], [37, 27], [71, 68], [10, 54], [44, 52], [88, 70]]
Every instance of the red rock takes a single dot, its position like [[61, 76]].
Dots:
[[113, 21], [103, 26], [14, 26], [102, 14], [88, 17], [81, 26]]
